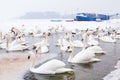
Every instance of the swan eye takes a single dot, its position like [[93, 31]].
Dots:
[[28, 57], [68, 47], [34, 47]]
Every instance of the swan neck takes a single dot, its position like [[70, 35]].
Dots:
[[0, 36], [71, 55], [7, 41], [46, 38], [61, 42], [85, 41], [33, 62]]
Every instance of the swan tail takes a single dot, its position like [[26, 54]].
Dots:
[[100, 52], [64, 70], [95, 60]]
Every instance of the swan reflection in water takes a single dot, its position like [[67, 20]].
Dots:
[[87, 66], [64, 76]]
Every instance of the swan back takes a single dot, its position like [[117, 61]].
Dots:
[[51, 67], [107, 39], [92, 41], [84, 56], [97, 49]]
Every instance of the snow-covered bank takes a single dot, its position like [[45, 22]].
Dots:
[[115, 74], [44, 24]]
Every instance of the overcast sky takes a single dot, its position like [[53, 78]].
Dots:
[[12, 8]]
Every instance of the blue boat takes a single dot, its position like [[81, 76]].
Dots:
[[90, 17]]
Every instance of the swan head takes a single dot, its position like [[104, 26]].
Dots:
[[69, 49], [30, 54], [36, 48]]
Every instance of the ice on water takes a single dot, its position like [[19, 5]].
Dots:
[[115, 74]]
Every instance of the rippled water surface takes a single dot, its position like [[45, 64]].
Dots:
[[15, 65], [91, 71]]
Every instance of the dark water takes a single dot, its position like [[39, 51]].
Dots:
[[91, 71]]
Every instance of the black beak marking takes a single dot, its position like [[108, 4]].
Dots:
[[28, 57]]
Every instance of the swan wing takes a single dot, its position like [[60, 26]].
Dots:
[[107, 39], [44, 49], [63, 70], [97, 49], [17, 47], [50, 67], [84, 56], [77, 43]]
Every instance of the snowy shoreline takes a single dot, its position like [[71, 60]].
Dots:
[[43, 25]]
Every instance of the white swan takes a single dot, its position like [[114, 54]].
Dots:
[[67, 48], [107, 39], [97, 49], [53, 66], [41, 49], [62, 41], [77, 43], [84, 56], [117, 36], [19, 40], [43, 42], [17, 47], [12, 46], [1, 37], [60, 29], [65, 45], [92, 41]]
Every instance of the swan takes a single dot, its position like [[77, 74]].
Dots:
[[53, 66], [117, 36], [38, 35], [41, 49], [62, 41], [66, 48], [11, 46], [42, 42], [92, 41], [84, 56], [60, 29], [65, 45], [94, 45], [107, 39], [15, 31], [20, 40], [0, 37], [97, 49], [77, 43]]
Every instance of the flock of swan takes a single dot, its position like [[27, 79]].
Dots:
[[87, 40]]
